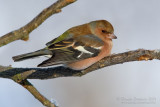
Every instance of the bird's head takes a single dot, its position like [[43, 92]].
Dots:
[[103, 29]]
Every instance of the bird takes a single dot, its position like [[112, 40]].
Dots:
[[77, 48]]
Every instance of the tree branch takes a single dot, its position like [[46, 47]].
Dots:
[[23, 32], [27, 85], [20, 75], [54, 72]]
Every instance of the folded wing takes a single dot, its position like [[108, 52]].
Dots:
[[73, 49]]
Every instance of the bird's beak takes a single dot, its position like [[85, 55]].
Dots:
[[112, 36]]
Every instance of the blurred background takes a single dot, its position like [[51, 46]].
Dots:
[[134, 84]]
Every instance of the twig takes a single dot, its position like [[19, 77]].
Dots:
[[26, 84], [23, 32], [54, 72]]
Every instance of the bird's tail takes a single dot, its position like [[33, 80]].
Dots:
[[40, 52]]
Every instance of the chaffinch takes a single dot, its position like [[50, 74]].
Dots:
[[79, 47]]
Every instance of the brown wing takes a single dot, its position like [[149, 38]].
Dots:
[[72, 50]]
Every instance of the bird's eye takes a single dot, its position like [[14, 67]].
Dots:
[[103, 31]]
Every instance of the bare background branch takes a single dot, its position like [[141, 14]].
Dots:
[[23, 32]]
